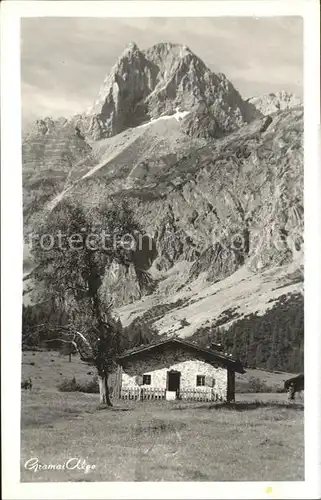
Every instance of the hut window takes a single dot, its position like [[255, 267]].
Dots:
[[147, 379], [200, 380]]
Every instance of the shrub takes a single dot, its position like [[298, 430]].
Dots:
[[91, 386], [26, 383], [68, 385], [257, 385], [72, 385]]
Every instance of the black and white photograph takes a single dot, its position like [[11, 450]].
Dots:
[[163, 284]]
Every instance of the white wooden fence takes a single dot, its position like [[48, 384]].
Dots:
[[151, 393], [198, 395], [142, 393]]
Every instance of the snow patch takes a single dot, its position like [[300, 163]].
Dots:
[[178, 115]]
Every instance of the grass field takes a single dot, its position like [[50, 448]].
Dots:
[[258, 438]]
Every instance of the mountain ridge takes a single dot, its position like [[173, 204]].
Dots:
[[273, 102]]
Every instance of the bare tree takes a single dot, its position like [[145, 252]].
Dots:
[[72, 270]]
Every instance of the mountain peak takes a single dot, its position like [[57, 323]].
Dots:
[[168, 55], [147, 84], [131, 47], [166, 47]]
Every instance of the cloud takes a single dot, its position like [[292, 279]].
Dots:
[[64, 60], [43, 102]]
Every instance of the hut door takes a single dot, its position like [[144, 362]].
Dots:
[[173, 381]]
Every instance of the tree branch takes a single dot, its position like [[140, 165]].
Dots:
[[83, 357], [69, 331]]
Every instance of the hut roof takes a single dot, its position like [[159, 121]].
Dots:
[[208, 354]]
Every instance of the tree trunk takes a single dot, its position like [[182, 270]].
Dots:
[[104, 390]]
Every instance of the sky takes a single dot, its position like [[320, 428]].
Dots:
[[65, 60]]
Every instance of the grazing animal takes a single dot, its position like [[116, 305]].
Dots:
[[293, 385], [26, 384]]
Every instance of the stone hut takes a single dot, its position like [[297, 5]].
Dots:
[[177, 369]]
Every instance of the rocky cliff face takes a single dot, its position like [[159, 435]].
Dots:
[[217, 186], [53, 152]]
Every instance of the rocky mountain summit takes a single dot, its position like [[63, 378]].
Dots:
[[214, 180], [146, 84]]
